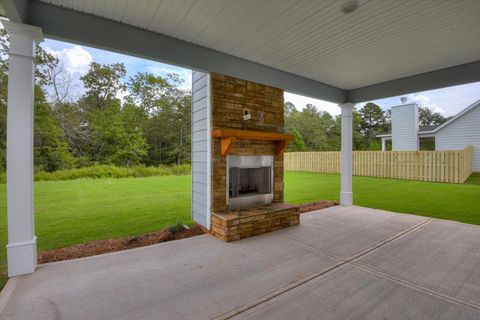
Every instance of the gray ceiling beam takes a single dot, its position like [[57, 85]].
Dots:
[[16, 10], [72, 26], [460, 74]]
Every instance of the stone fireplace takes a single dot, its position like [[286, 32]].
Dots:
[[247, 124]]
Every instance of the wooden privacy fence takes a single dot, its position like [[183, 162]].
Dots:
[[440, 166]]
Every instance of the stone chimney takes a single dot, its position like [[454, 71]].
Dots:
[[405, 127]]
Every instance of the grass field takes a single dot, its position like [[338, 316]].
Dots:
[[474, 179], [69, 212], [75, 211], [459, 202]]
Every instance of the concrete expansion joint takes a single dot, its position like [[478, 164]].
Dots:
[[415, 286], [397, 236], [341, 262]]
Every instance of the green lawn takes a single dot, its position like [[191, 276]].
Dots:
[[474, 179], [69, 212], [459, 202], [75, 211]]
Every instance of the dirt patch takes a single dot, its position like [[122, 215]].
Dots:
[[306, 207], [104, 246]]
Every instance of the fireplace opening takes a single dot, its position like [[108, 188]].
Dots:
[[249, 181]]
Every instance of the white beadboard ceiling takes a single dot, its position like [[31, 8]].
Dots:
[[380, 41]]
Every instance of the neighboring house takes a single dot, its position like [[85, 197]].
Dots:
[[457, 133]]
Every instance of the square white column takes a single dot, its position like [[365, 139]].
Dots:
[[346, 194], [22, 246]]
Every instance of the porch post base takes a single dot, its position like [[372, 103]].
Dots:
[[22, 257], [346, 198]]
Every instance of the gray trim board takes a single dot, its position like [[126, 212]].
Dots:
[[16, 10], [461, 74], [69, 25]]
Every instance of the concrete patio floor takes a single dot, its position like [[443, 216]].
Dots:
[[340, 263]]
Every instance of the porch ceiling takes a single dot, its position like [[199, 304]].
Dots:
[[381, 41]]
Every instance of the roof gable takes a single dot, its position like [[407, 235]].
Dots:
[[457, 116]]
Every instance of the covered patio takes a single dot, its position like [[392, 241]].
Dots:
[[345, 52], [340, 263]]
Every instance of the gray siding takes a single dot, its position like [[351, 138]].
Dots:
[[405, 127], [462, 132], [200, 149]]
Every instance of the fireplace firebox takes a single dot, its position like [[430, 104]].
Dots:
[[249, 181]]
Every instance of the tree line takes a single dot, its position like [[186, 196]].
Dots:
[[144, 120], [316, 130]]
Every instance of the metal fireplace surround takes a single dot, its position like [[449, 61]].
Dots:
[[249, 181]]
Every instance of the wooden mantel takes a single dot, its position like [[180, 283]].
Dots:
[[229, 136]]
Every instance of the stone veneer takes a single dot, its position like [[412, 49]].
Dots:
[[229, 97], [243, 223]]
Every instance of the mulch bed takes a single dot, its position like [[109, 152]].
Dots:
[[104, 246], [312, 206]]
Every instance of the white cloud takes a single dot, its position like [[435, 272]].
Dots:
[[74, 59], [301, 101], [447, 101], [163, 70], [425, 102]]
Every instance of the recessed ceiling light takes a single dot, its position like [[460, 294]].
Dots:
[[349, 6]]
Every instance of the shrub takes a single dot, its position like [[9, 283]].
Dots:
[[176, 228], [108, 171]]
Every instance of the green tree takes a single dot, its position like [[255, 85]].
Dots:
[[429, 118], [373, 122], [298, 144], [320, 131], [289, 109], [167, 110], [149, 125], [152, 93], [112, 138], [50, 149], [130, 144], [103, 83], [312, 125], [335, 133], [375, 145]]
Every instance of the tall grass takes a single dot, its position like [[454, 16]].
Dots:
[[109, 171]]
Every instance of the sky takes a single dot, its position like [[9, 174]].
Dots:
[[76, 59]]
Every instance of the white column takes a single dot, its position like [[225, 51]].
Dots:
[[346, 195], [384, 148], [22, 243]]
